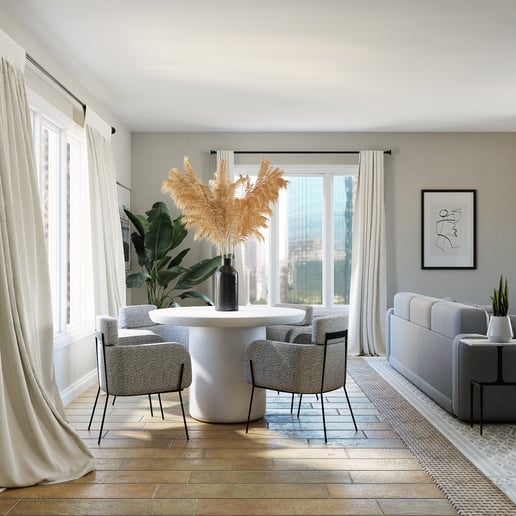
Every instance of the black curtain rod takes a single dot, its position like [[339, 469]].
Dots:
[[123, 186], [299, 152], [45, 72]]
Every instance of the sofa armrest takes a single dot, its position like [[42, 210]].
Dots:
[[388, 315]]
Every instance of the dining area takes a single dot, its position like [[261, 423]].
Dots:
[[224, 359]]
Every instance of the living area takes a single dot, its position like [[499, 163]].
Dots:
[[468, 149]]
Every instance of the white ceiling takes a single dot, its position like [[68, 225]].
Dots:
[[288, 65]]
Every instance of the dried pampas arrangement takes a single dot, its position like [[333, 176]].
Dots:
[[225, 212]]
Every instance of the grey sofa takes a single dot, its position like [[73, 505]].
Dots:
[[424, 344]]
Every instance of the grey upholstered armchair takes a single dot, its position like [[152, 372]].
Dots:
[[313, 368], [136, 318], [131, 369], [283, 332]]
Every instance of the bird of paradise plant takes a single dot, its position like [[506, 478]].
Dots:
[[225, 212]]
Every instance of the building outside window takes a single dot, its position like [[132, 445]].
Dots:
[[305, 257]]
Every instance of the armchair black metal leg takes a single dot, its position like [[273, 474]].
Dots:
[[299, 404], [292, 403], [179, 389], [160, 406], [350, 409], [114, 399], [103, 418], [150, 404], [481, 387], [184, 418], [251, 399], [323, 418], [471, 404], [249, 412], [94, 407]]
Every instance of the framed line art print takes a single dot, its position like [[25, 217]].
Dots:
[[448, 229]]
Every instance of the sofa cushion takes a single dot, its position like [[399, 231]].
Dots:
[[421, 310], [450, 319], [402, 304]]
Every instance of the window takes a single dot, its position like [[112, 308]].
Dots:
[[305, 257], [60, 163]]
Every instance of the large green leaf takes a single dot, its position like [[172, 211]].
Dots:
[[139, 222], [158, 240], [198, 273], [165, 276], [179, 257], [179, 232], [197, 295], [162, 263], [158, 209], [136, 280], [139, 247]]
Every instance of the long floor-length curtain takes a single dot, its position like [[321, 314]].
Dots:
[[37, 445], [107, 245], [243, 287], [368, 296]]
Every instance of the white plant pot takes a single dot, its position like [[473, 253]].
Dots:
[[499, 329]]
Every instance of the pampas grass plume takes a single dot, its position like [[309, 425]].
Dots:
[[225, 212]]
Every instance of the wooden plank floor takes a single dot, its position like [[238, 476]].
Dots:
[[282, 467]]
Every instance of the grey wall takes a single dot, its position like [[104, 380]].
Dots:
[[482, 161]]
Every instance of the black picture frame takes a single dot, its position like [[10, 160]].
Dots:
[[126, 241], [448, 229]]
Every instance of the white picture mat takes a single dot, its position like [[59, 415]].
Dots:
[[448, 228]]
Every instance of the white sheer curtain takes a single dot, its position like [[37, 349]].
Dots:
[[107, 246], [368, 276], [243, 285], [37, 445]]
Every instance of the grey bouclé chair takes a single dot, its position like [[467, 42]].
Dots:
[[131, 369], [313, 368]]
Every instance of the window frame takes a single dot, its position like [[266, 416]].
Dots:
[[44, 114], [327, 172]]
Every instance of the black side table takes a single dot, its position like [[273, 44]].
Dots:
[[498, 381]]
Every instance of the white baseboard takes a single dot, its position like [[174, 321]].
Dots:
[[72, 391]]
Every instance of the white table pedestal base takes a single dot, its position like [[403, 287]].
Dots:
[[219, 393]]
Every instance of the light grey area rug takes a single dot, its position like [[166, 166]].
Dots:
[[473, 471]]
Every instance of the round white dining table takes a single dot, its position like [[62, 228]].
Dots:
[[219, 392]]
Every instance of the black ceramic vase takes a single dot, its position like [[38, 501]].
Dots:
[[226, 287]]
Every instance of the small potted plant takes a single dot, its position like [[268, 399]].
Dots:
[[499, 329]]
